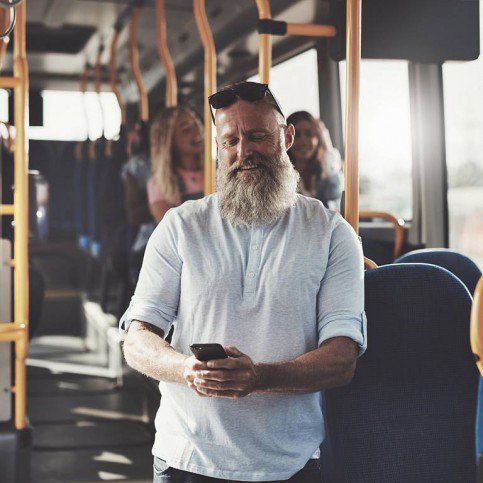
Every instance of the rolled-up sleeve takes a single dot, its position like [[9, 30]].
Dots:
[[340, 301], [156, 298]]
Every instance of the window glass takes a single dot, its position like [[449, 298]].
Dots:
[[65, 116], [463, 104], [3, 105], [385, 136], [295, 83]]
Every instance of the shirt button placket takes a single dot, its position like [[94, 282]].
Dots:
[[253, 262]]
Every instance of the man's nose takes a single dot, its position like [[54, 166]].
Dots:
[[245, 148]]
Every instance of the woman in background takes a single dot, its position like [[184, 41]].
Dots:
[[316, 159], [177, 160]]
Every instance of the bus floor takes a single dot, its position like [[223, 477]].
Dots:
[[87, 429]]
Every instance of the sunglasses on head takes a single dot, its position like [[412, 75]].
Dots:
[[246, 91]]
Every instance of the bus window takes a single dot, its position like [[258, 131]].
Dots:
[[463, 104], [64, 118], [385, 136], [295, 83], [3, 105]]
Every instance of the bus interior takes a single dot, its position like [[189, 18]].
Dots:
[[400, 94]]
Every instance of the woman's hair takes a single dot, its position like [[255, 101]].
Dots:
[[316, 162], [163, 158]]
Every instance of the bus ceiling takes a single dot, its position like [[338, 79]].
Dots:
[[63, 34]]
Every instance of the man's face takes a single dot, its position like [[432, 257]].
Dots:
[[245, 128], [256, 180]]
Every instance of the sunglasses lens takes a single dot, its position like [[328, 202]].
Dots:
[[222, 99], [251, 92]]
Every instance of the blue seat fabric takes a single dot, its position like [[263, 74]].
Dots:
[[457, 263], [409, 413]]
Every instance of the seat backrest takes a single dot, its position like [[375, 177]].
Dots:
[[409, 413], [457, 263]]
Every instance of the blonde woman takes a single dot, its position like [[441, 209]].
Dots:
[[177, 160]]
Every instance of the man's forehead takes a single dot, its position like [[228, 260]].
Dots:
[[246, 115]]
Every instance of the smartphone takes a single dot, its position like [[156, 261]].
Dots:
[[208, 352]]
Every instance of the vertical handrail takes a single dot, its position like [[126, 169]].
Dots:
[[210, 88], [134, 58], [476, 325], [20, 216], [353, 56], [83, 88], [98, 84], [163, 51], [113, 75], [264, 44]]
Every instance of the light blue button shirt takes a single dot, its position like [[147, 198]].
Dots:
[[275, 292]]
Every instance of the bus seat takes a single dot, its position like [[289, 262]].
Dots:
[[409, 412], [457, 263]]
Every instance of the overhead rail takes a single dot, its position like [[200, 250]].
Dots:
[[268, 27], [134, 58], [113, 74], [209, 89], [17, 331], [476, 325], [165, 56], [397, 224]]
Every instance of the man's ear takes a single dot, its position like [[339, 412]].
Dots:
[[289, 136]]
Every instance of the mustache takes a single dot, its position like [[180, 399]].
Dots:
[[254, 159]]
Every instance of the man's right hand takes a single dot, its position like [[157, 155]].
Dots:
[[191, 366]]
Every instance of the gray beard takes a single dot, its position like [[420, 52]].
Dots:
[[260, 197]]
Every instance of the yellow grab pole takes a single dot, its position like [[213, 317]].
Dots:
[[210, 88], [397, 223], [134, 58], [264, 44], [9, 82], [353, 55], [311, 30], [163, 50], [21, 287], [6, 210], [369, 264], [98, 83], [113, 75], [476, 325], [83, 87]]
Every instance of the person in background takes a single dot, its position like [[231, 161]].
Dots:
[[316, 159], [177, 160], [135, 175]]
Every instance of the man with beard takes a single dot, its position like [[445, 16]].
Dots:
[[273, 276]]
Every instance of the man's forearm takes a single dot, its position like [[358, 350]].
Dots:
[[331, 365], [146, 351]]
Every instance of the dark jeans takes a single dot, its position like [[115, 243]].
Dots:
[[163, 473]]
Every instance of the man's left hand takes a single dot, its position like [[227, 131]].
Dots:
[[233, 377]]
